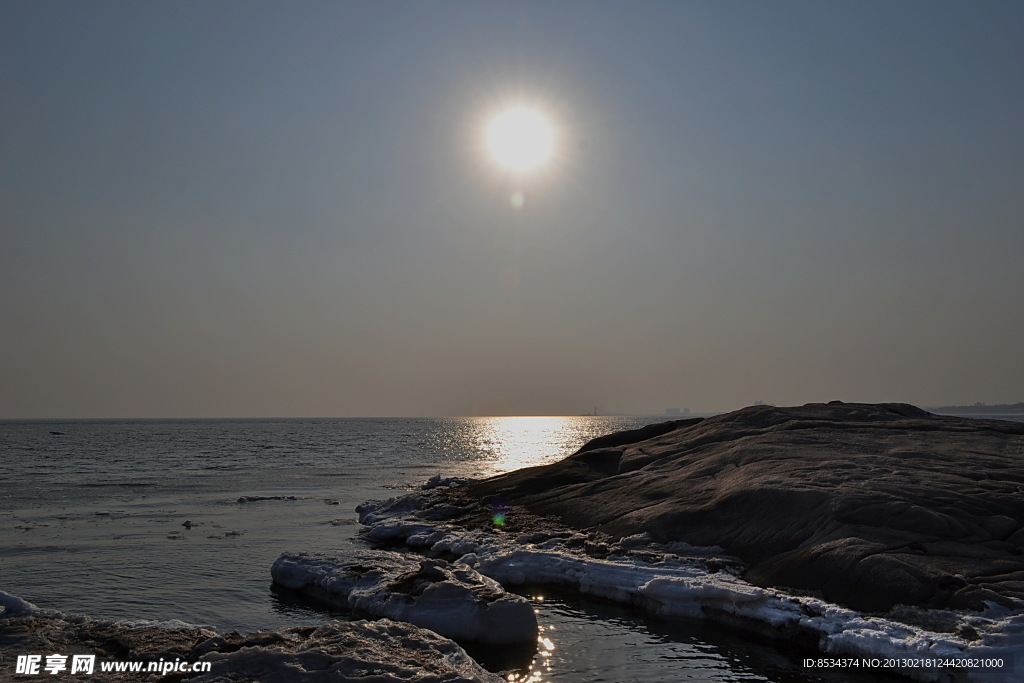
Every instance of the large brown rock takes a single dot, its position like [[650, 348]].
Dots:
[[868, 505]]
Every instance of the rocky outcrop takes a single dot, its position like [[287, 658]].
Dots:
[[676, 579], [454, 601], [865, 505], [359, 652]]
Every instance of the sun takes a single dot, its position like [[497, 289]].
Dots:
[[520, 138]]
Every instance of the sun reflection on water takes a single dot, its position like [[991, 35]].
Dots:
[[516, 442], [485, 446], [540, 669]]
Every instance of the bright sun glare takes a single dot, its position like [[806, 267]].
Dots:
[[520, 139]]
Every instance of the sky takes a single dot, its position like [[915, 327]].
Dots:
[[255, 209]]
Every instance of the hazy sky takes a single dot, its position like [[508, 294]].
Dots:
[[286, 209]]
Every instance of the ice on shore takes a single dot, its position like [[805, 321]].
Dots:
[[452, 600], [256, 499], [13, 606], [665, 584]]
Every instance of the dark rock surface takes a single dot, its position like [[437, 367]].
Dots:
[[867, 505], [365, 652]]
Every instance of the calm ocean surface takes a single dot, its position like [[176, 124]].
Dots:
[[93, 514]]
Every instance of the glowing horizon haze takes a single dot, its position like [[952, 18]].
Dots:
[[241, 209]]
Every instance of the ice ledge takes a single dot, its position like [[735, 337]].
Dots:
[[452, 600]]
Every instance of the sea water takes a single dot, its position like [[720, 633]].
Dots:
[[182, 519]]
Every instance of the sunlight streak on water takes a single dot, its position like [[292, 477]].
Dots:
[[517, 442]]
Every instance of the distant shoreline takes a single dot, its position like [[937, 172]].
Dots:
[[981, 409]]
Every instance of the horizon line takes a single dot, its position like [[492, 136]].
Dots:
[[692, 413]]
